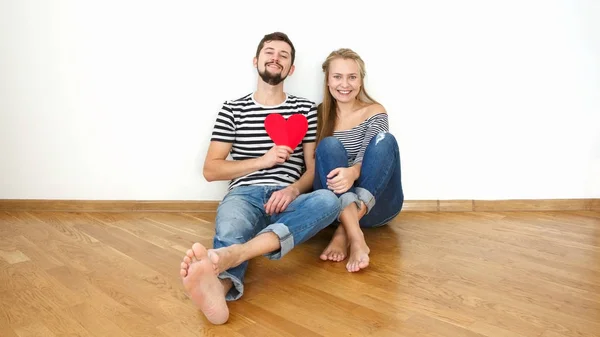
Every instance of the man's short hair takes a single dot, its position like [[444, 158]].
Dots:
[[276, 36]]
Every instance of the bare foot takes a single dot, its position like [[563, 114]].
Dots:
[[338, 246], [199, 275], [359, 256], [196, 253], [225, 258]]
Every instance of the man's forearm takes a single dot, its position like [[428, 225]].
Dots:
[[305, 183], [222, 169]]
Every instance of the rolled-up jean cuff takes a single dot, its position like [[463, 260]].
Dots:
[[348, 198], [286, 240], [366, 197], [238, 287]]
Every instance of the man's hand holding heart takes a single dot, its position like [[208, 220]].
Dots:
[[287, 135]]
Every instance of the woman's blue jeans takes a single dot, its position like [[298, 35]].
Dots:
[[380, 183]]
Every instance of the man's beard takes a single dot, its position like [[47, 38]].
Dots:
[[272, 79]]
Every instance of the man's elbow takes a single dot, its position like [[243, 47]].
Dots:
[[209, 174]]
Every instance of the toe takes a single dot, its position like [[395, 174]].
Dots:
[[199, 251], [189, 254]]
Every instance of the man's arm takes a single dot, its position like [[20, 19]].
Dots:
[[217, 167], [281, 199], [305, 183]]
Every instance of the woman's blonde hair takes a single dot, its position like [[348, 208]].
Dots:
[[327, 115]]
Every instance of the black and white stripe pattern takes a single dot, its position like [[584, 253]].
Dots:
[[241, 122], [357, 139]]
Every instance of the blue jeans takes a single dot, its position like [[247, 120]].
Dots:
[[380, 183], [241, 216]]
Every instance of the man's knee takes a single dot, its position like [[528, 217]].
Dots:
[[233, 222], [232, 231]]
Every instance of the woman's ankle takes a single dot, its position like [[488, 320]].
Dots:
[[355, 235], [362, 209]]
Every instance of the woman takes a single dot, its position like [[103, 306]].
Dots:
[[356, 157]]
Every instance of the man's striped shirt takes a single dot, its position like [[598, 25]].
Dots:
[[241, 122]]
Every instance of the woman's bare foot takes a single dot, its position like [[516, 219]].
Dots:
[[199, 276], [337, 249], [338, 246], [359, 255]]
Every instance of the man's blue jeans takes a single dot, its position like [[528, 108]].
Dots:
[[241, 216], [380, 183]]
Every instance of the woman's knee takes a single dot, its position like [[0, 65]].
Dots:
[[327, 200], [328, 145], [383, 146], [384, 139], [383, 143]]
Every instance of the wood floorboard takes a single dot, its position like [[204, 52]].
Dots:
[[471, 274]]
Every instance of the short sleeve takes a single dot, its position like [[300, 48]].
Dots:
[[224, 128], [311, 116]]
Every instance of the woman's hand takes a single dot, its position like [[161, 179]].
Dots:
[[340, 179]]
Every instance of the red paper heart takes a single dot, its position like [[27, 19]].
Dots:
[[290, 132]]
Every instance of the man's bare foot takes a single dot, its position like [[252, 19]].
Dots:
[[199, 276], [359, 255], [225, 258], [338, 246]]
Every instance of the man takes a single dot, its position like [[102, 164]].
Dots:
[[267, 210]]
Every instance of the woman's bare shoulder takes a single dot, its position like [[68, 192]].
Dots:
[[374, 109]]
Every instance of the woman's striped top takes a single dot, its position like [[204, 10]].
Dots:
[[355, 140]]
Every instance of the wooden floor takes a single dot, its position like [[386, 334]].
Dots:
[[431, 274]]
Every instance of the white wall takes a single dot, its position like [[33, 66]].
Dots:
[[116, 99]]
